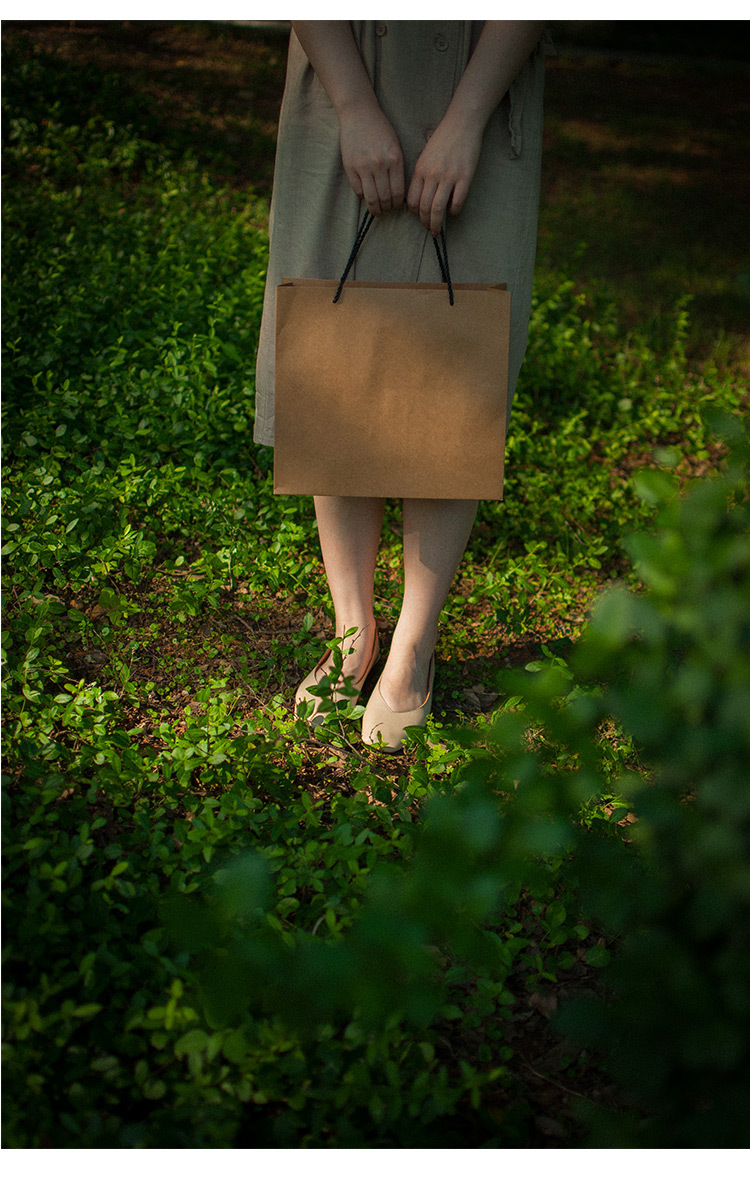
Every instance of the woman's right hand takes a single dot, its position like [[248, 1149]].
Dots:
[[370, 150], [372, 158]]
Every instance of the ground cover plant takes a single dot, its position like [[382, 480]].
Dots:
[[223, 931]]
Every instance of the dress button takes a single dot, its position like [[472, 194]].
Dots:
[[428, 133], [440, 43], [381, 30]]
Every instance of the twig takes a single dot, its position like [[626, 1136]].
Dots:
[[553, 1082], [337, 750]]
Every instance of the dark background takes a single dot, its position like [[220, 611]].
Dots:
[[645, 178]]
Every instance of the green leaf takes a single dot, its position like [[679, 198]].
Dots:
[[89, 1010], [194, 1041], [235, 1047], [598, 957]]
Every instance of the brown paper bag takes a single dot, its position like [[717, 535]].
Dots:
[[391, 391]]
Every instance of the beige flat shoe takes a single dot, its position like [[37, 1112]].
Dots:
[[381, 724], [317, 676]]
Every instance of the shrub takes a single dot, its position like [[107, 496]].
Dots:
[[673, 899], [222, 932], [676, 663]]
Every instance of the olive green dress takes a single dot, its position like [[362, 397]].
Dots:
[[414, 67]]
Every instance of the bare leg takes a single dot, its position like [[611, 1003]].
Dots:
[[435, 536], [349, 528]]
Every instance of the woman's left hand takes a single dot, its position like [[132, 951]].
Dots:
[[444, 171]]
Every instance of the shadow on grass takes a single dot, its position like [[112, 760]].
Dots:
[[645, 175], [645, 182], [193, 86]]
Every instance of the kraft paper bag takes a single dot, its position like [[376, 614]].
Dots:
[[391, 391]]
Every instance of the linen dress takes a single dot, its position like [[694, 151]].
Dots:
[[414, 67]]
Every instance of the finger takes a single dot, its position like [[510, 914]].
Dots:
[[383, 187], [370, 195], [396, 177], [414, 196], [460, 194], [425, 203], [439, 206], [355, 182]]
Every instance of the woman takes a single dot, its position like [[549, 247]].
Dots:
[[410, 120]]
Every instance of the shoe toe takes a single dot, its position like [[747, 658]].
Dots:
[[318, 678], [383, 726]]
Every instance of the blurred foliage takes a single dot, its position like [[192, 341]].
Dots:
[[220, 932], [676, 666]]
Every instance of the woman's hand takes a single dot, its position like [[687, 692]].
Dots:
[[447, 165], [370, 150], [445, 170], [372, 159]]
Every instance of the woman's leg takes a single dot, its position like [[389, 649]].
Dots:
[[435, 536], [349, 528]]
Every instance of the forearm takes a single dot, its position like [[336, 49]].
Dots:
[[501, 51], [370, 151], [333, 54], [447, 164]]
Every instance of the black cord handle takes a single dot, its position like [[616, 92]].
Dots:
[[367, 221], [443, 263], [442, 257]]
